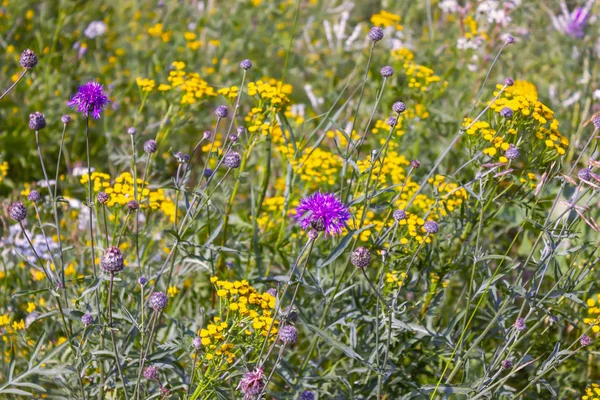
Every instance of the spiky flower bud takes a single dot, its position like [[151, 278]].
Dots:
[[158, 301], [288, 334], [34, 196], [246, 64], [112, 261], [376, 34], [506, 112], [28, 59], [399, 107], [232, 160], [399, 215], [431, 227], [387, 71], [512, 153], [37, 121], [17, 211], [150, 146], [360, 257], [221, 111], [197, 342]]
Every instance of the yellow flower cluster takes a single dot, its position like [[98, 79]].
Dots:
[[522, 99], [419, 77], [122, 190], [394, 278], [471, 30], [191, 84], [3, 170], [157, 31], [385, 19], [592, 392], [272, 92], [191, 41], [146, 85], [316, 166], [272, 209], [593, 311]]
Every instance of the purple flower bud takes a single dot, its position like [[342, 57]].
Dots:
[[37, 121], [197, 342], [506, 364], [150, 146], [132, 131], [133, 205], [512, 153], [87, 319], [142, 280], [158, 301], [28, 59], [288, 334], [431, 227], [360, 257], [151, 373], [585, 340], [66, 119], [232, 160], [306, 395], [112, 261], [387, 71], [399, 107], [506, 112], [208, 173], [207, 134], [376, 34], [221, 111], [34, 196], [399, 215], [509, 39], [392, 121], [246, 64], [272, 292], [415, 164], [17, 211], [102, 198], [585, 174], [520, 324], [313, 234], [509, 81], [596, 121]]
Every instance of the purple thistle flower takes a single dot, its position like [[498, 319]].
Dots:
[[322, 212], [90, 98], [253, 383]]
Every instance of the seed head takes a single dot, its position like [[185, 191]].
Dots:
[[506, 112], [360, 257], [512, 153], [246, 64], [151, 373], [158, 301], [112, 261], [87, 319], [585, 340], [232, 160], [28, 59], [102, 198], [133, 205], [399, 107], [132, 131], [150, 146], [37, 121], [387, 71], [376, 34], [34, 196], [288, 334], [17, 211], [399, 215], [520, 324], [509, 81], [585, 174], [66, 119], [221, 111], [431, 227]]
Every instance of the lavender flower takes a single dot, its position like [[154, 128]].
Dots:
[[112, 261], [322, 212], [158, 301], [89, 99], [376, 34], [17, 211], [151, 373], [28, 59], [387, 71], [360, 257], [288, 334], [572, 23], [37, 121], [253, 383]]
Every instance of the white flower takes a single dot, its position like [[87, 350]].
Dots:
[[448, 6], [95, 29]]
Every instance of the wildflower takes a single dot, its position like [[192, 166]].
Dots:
[[133, 205], [246, 64], [509, 81], [585, 174], [392, 121], [232, 160], [520, 324], [66, 119], [102, 198], [509, 39], [398, 107], [399, 215], [207, 135], [37, 121], [313, 234], [197, 342], [360, 257], [596, 121], [252, 384], [272, 292], [585, 340], [28, 59], [90, 98], [512, 153], [142, 280], [572, 23], [158, 301], [376, 34], [87, 319], [112, 261], [151, 373], [431, 227], [415, 164], [182, 158], [322, 212], [150, 146], [233, 137], [95, 29], [387, 71], [132, 131], [208, 173], [506, 112], [506, 364], [306, 395], [288, 334], [221, 112], [34, 196], [17, 211]]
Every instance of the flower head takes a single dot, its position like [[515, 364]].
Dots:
[[37, 121], [387, 71], [322, 212], [232, 160], [307, 395], [253, 383], [246, 64], [28, 59], [34, 196], [399, 107], [151, 373], [520, 324], [150, 146], [376, 34], [288, 334], [158, 301], [585, 340], [360, 257], [89, 99], [17, 211], [112, 261], [431, 227], [87, 319]]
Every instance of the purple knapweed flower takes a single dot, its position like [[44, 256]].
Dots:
[[253, 383], [322, 212], [89, 99], [572, 23]]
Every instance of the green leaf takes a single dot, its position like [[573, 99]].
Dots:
[[331, 340]]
